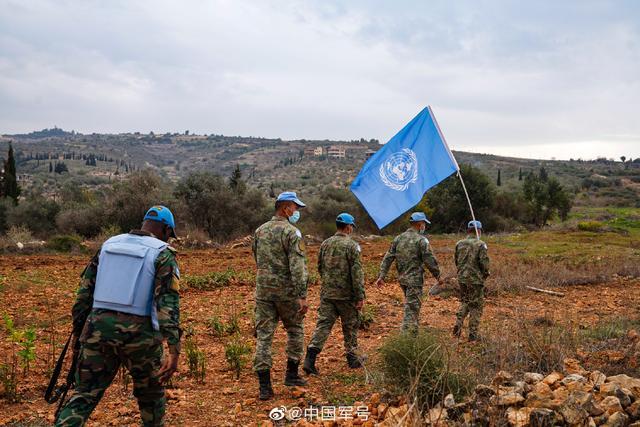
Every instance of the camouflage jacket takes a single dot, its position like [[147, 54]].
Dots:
[[278, 249], [166, 297], [340, 268], [411, 251], [472, 261]]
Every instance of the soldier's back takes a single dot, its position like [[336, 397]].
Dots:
[[336, 253], [408, 254], [467, 260]]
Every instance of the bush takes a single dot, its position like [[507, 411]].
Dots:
[[366, 317], [214, 280], [37, 214], [235, 353], [417, 365], [64, 243], [593, 226], [87, 221], [196, 358]]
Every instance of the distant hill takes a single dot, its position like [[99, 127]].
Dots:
[[304, 165]]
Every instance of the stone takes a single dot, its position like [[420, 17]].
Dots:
[[611, 405], [436, 416], [553, 378], [508, 399], [502, 378], [633, 335], [597, 378], [396, 414], [572, 366], [625, 381], [617, 419], [482, 390], [634, 410], [591, 422], [572, 378], [519, 417], [449, 401], [382, 408], [625, 396], [561, 393], [533, 377], [374, 399], [573, 412], [609, 389], [541, 417]]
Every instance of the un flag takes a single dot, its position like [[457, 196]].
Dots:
[[394, 179]]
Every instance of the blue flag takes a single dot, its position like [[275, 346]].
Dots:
[[394, 179]]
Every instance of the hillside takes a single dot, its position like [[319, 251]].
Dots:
[[274, 163]]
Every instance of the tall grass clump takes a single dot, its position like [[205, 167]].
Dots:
[[418, 367]]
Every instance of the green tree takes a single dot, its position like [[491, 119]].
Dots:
[[447, 203], [520, 175], [499, 181], [545, 197], [9, 179], [236, 182]]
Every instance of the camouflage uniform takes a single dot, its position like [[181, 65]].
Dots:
[[281, 279], [340, 267], [110, 339], [411, 251], [472, 262]]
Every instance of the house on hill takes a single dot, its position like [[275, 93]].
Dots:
[[337, 152]]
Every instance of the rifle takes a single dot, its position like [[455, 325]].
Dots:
[[55, 393]]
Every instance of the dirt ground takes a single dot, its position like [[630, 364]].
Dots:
[[39, 290]]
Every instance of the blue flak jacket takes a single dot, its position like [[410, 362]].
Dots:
[[394, 179]]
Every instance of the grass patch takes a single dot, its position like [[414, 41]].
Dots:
[[609, 329], [217, 279], [366, 317], [236, 353]]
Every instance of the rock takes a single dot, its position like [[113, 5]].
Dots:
[[634, 410], [617, 419], [633, 335], [238, 408], [382, 408], [396, 414], [572, 366], [611, 405], [597, 378], [609, 389], [508, 399], [502, 378], [553, 378], [458, 410], [573, 412], [561, 393], [482, 390], [374, 399], [436, 416], [519, 417], [298, 392], [625, 381], [20, 245], [572, 378], [449, 401], [540, 397], [533, 377], [636, 424], [541, 417], [625, 396]]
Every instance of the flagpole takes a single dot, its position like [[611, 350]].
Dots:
[[473, 216]]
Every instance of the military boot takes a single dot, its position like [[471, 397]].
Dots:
[[309, 365], [354, 361], [292, 378], [266, 391]]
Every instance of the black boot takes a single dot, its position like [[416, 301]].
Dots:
[[354, 361], [266, 391], [309, 365], [292, 378]]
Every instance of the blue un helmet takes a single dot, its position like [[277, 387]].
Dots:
[[290, 196], [419, 216], [162, 214], [474, 224], [346, 219]]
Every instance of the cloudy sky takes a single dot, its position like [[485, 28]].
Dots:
[[530, 79]]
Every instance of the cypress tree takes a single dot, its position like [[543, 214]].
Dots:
[[499, 182], [520, 175], [10, 181]]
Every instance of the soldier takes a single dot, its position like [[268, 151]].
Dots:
[[411, 251], [472, 262], [341, 295], [281, 290], [128, 302]]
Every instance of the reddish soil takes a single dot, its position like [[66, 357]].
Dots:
[[39, 290]]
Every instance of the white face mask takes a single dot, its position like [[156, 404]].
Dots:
[[294, 217]]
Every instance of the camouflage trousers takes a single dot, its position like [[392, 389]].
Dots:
[[471, 303], [110, 340], [412, 304], [268, 313], [328, 312]]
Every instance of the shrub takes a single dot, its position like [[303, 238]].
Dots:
[[64, 243], [593, 226], [37, 214], [417, 365], [214, 280], [366, 317], [86, 221], [236, 353], [196, 358]]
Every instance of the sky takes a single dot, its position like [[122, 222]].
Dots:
[[544, 79]]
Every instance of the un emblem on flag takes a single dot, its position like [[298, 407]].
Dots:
[[400, 170]]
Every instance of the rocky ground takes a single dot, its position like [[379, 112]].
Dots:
[[38, 290]]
